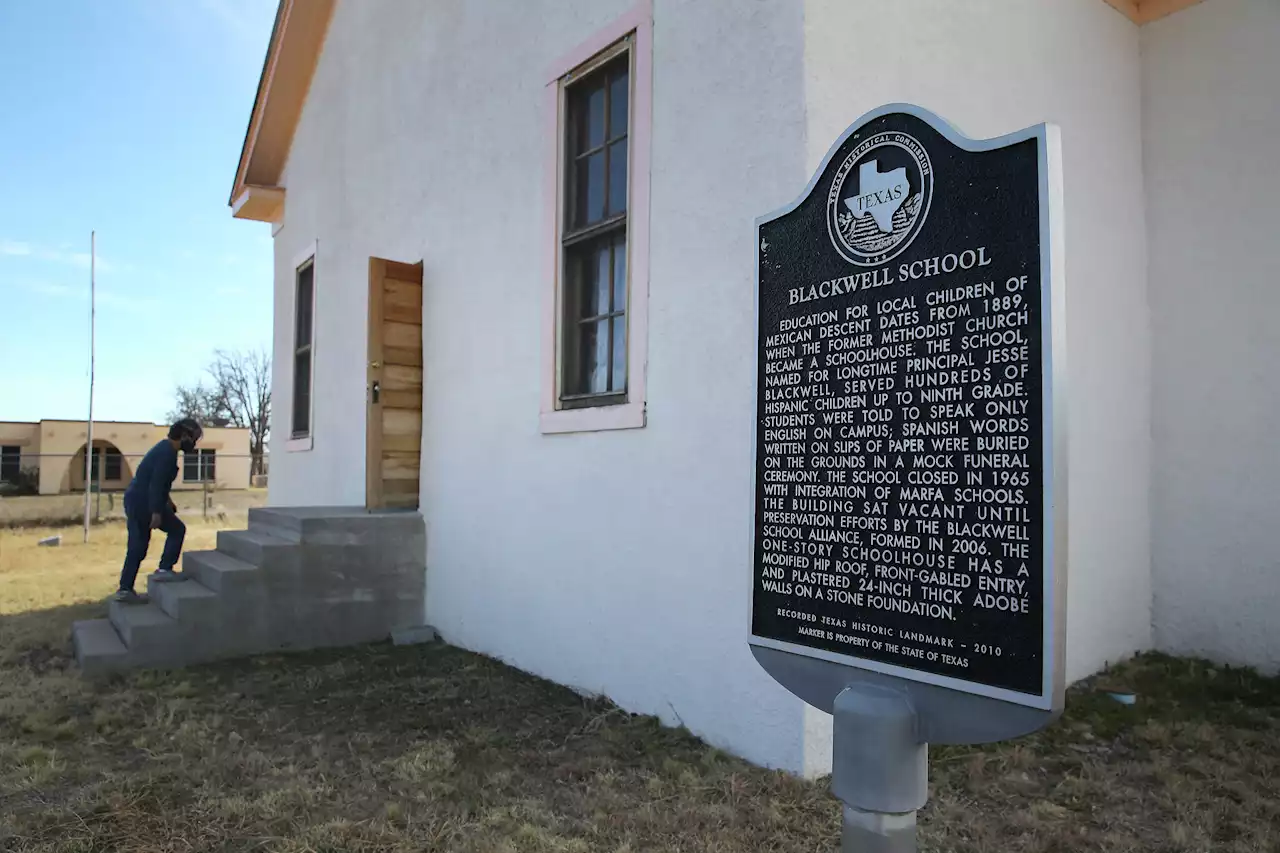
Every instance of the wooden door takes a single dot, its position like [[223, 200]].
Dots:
[[394, 432]]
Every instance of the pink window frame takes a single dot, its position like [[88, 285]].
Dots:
[[638, 23]]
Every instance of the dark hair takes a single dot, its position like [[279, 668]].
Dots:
[[186, 426]]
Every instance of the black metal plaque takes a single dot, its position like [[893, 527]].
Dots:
[[903, 373]]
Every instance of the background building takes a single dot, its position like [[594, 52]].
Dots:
[[48, 457]]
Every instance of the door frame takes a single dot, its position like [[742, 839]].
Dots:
[[378, 273]]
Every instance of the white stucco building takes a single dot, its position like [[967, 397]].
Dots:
[[566, 192]]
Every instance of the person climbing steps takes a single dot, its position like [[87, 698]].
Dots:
[[148, 507]]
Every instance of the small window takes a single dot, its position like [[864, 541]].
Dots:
[[304, 308], [107, 463], [199, 466], [593, 356], [111, 465], [10, 463]]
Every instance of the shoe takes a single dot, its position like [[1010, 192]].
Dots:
[[128, 596], [167, 576]]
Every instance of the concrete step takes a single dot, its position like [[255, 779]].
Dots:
[[282, 524], [142, 624], [187, 600], [99, 648], [297, 578], [250, 546], [222, 573], [349, 525]]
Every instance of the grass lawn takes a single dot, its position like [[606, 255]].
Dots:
[[433, 748], [61, 510]]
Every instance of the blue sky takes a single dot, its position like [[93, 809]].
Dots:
[[125, 117]]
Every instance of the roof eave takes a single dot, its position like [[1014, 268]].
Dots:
[[260, 204], [255, 115], [297, 37], [1146, 11]]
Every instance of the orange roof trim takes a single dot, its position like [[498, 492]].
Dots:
[[296, 40], [1146, 11]]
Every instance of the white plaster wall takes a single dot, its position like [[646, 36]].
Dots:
[[614, 562], [1211, 121], [619, 562], [991, 67]]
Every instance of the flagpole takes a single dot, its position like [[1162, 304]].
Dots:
[[88, 445]]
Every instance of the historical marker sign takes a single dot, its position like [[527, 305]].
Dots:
[[908, 500]]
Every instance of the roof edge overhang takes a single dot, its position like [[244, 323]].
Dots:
[[1146, 11], [261, 204], [292, 53]]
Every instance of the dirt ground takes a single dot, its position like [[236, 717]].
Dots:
[[68, 510], [380, 748]]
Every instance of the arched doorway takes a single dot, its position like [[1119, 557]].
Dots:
[[111, 468]]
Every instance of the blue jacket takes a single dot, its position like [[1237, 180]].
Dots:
[[153, 478]]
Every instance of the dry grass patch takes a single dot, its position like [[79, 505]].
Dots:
[[68, 510], [74, 575], [431, 748]]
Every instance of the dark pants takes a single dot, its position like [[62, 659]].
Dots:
[[140, 539]]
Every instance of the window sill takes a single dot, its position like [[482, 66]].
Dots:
[[598, 419], [298, 445]]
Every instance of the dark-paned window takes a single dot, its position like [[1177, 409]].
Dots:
[[106, 463], [593, 358], [302, 336], [198, 466], [10, 463]]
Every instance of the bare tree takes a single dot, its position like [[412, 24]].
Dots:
[[239, 394], [201, 402], [243, 380]]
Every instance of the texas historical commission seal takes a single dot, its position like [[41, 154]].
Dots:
[[879, 198]]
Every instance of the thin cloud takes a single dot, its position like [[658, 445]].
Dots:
[[126, 302], [237, 16], [105, 297], [47, 288], [81, 260]]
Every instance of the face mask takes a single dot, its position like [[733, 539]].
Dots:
[[188, 444]]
